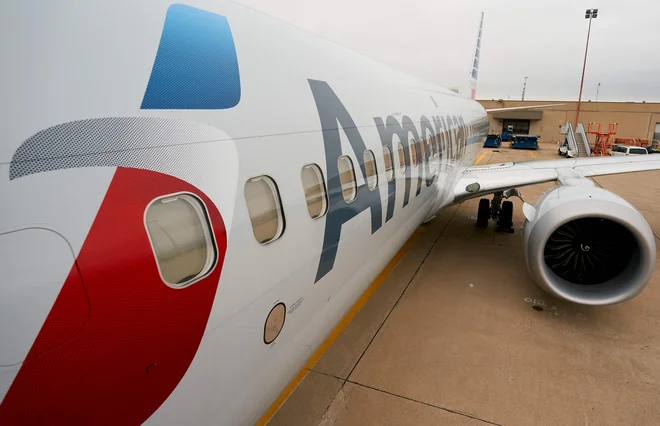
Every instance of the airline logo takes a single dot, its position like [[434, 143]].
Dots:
[[196, 65], [334, 117], [109, 351]]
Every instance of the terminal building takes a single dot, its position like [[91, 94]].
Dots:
[[640, 120]]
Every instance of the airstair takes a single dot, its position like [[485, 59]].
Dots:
[[578, 144]]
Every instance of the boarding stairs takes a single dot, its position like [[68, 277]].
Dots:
[[578, 143]]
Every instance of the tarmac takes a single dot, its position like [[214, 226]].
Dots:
[[459, 334]]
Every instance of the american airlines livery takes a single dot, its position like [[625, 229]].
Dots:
[[193, 195]]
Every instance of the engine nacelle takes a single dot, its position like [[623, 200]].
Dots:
[[588, 245]]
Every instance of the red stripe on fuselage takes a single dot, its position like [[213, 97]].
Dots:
[[140, 335]]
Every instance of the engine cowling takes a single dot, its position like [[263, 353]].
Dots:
[[588, 245]]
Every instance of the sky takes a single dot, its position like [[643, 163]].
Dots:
[[539, 39]]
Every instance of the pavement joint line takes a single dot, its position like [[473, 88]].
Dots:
[[327, 374], [403, 292], [344, 380], [439, 407]]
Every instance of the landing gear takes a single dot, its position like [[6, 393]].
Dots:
[[505, 221], [498, 210], [483, 214], [496, 205]]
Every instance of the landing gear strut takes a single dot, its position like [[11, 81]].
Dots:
[[498, 210]]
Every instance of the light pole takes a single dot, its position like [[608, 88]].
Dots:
[[524, 86], [589, 14], [597, 91]]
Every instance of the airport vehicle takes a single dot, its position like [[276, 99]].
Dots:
[[507, 134], [493, 141], [194, 195], [525, 142], [623, 150], [563, 149], [653, 147]]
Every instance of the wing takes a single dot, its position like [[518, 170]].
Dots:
[[481, 180]]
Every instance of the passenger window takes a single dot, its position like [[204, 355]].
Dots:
[[347, 178], [448, 143], [265, 209], [181, 237], [413, 152], [403, 163], [315, 192], [370, 168], [389, 167]]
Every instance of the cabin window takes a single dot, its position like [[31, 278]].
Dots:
[[451, 143], [389, 167], [265, 209], [315, 192], [370, 168], [403, 164], [413, 152], [180, 234], [347, 178]]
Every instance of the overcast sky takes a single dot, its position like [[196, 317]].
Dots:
[[544, 40]]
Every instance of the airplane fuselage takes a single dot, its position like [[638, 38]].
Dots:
[[118, 111]]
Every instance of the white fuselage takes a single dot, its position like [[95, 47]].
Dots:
[[85, 67]]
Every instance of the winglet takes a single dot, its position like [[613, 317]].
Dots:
[[474, 72]]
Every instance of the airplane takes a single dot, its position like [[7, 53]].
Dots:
[[194, 194]]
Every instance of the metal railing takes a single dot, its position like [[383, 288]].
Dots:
[[578, 144]]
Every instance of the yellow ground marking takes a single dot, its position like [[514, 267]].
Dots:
[[339, 328], [481, 157], [532, 154]]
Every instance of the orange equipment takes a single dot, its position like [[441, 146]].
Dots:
[[633, 141], [603, 139]]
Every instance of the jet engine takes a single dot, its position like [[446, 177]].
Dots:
[[588, 245]]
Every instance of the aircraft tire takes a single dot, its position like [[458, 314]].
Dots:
[[483, 213], [505, 222]]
